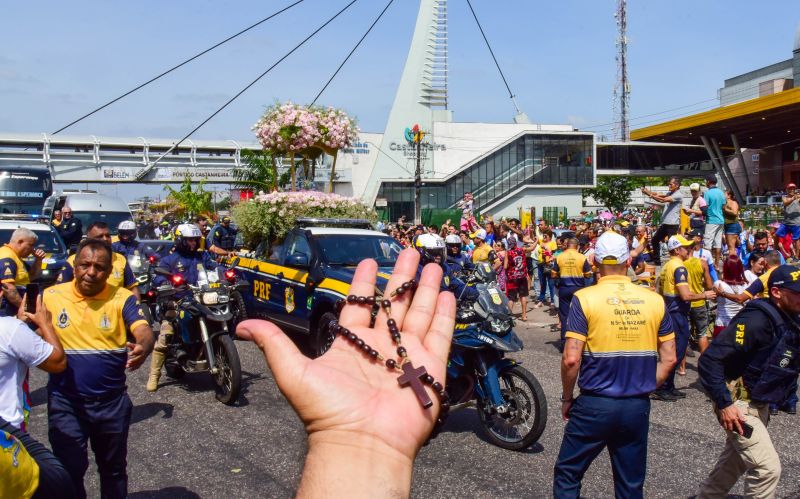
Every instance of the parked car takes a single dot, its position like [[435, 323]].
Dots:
[[49, 241]]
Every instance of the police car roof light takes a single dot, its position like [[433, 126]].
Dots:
[[352, 223]]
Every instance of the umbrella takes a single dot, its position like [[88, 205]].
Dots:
[[606, 215]]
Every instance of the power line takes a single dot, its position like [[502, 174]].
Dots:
[[176, 67], [142, 173], [352, 51], [510, 93]]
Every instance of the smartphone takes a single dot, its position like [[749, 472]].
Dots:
[[31, 294], [747, 430]]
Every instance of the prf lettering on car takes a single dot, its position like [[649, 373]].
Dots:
[[261, 290], [795, 275], [740, 334]]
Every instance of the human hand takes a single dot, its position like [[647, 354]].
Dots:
[[40, 318], [343, 398], [710, 295], [136, 356], [566, 405], [39, 254], [731, 418]]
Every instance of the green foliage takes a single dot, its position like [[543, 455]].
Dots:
[[613, 192], [191, 202], [259, 172]]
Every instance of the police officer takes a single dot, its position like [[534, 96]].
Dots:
[[146, 228], [431, 250], [127, 244], [70, 229], [456, 259], [190, 263], [88, 401], [13, 271], [222, 238], [121, 273], [628, 334], [760, 346]]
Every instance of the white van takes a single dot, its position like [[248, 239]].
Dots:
[[89, 206]]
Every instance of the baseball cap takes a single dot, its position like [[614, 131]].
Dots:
[[694, 187], [791, 185], [226, 218], [785, 277], [677, 242], [611, 248], [478, 234], [695, 233]]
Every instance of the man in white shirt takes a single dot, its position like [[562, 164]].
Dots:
[[20, 349]]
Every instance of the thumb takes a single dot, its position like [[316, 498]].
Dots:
[[284, 359]]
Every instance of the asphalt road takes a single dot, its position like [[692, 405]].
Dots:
[[183, 443]]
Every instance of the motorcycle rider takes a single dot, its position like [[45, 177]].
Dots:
[[222, 238], [431, 250], [456, 259], [188, 261], [127, 244]]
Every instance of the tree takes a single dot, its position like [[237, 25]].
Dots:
[[260, 173], [613, 191], [191, 202]]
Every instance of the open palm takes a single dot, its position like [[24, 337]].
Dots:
[[345, 392]]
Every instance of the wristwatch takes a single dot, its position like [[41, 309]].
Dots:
[[562, 399]]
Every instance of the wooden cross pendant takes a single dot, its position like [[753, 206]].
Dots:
[[411, 377]]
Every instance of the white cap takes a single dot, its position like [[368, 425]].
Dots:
[[678, 242], [694, 187], [452, 239], [479, 234], [611, 248]]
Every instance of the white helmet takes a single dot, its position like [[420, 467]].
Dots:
[[452, 239], [126, 225], [187, 231], [430, 246]]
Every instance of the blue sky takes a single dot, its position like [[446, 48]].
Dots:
[[63, 58]]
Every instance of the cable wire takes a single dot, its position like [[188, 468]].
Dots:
[[142, 173], [510, 93], [351, 52], [187, 61]]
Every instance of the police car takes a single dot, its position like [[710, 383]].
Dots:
[[297, 282], [49, 241]]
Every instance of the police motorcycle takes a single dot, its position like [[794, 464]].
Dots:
[[200, 315], [511, 403]]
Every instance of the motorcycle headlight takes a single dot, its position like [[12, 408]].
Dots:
[[210, 298], [498, 324]]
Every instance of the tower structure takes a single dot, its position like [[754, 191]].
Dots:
[[421, 99], [622, 86]]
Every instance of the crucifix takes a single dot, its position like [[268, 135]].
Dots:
[[411, 377]]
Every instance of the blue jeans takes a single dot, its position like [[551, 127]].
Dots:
[[596, 422], [680, 322], [546, 283], [102, 423]]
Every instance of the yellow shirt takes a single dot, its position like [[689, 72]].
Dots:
[[543, 248], [694, 267], [481, 253], [673, 274], [572, 268], [13, 269], [19, 472]]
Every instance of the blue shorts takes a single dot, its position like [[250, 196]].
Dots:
[[733, 228], [786, 229]]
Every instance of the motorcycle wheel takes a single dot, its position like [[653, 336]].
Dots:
[[522, 426], [239, 312], [228, 380], [323, 339]]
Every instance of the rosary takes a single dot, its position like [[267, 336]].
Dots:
[[414, 377]]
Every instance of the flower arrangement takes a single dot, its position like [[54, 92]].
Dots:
[[271, 216], [288, 128]]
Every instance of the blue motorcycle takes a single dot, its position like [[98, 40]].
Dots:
[[510, 401]]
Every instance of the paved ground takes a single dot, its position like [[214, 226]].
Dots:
[[185, 444]]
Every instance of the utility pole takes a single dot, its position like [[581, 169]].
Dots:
[[418, 135], [622, 87]]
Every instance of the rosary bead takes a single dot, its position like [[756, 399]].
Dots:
[[366, 348], [444, 407], [437, 386], [412, 283], [396, 338], [391, 323], [371, 300], [351, 336], [361, 300], [359, 342], [427, 379], [443, 395], [386, 304], [401, 351], [373, 354], [339, 304], [351, 299], [391, 363]]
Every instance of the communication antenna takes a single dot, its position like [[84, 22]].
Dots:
[[622, 86]]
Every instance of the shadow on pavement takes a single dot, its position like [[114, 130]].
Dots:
[[467, 421], [151, 409], [171, 492]]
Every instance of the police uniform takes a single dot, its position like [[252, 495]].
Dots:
[[674, 274], [222, 237], [622, 326], [71, 231], [572, 268], [187, 264], [760, 346], [459, 263], [453, 284], [88, 401], [127, 249], [12, 271], [121, 273]]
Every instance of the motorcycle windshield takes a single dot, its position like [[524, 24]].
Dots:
[[138, 264], [491, 301]]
